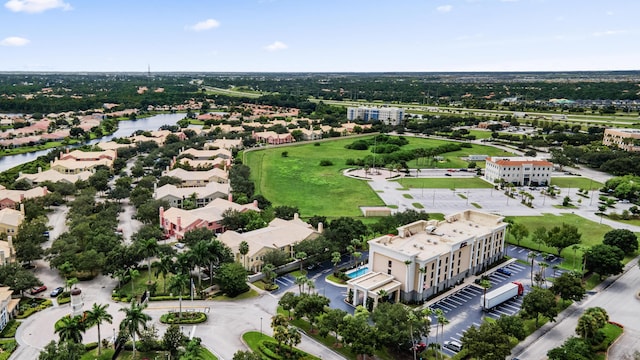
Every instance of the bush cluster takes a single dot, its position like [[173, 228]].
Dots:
[[187, 318]]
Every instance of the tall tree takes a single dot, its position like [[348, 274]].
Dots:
[[519, 232], [232, 278], [178, 283], [568, 286], [71, 328], [148, 248], [604, 259], [96, 316], [487, 342], [134, 320], [244, 250], [563, 237], [539, 302], [623, 239], [573, 349]]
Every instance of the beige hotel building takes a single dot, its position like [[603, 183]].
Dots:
[[427, 257]]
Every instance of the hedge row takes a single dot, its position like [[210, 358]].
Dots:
[[187, 318]]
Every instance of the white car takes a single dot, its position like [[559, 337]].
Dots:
[[179, 245], [453, 345]]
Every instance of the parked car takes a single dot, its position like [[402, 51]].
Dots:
[[179, 245], [38, 289], [447, 174], [550, 257], [57, 291], [504, 271], [453, 345], [312, 266]]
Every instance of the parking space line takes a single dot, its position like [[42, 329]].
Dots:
[[472, 290], [511, 307], [467, 297], [453, 301], [502, 312], [442, 306]]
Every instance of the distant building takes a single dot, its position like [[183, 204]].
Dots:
[[625, 139], [427, 257], [387, 115], [520, 171]]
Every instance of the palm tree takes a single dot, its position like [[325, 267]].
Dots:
[[335, 259], [149, 248], [134, 319], [442, 320], [427, 312], [301, 255], [71, 329], [269, 273], [532, 255], [543, 275], [485, 285], [96, 316], [200, 256], [300, 281], [164, 267], [244, 250], [133, 273], [177, 284]]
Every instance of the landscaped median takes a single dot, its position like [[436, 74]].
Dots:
[[269, 348], [188, 317]]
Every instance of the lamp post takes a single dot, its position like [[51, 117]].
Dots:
[[260, 326]]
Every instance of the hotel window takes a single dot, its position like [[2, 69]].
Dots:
[[390, 262], [433, 266], [389, 271]]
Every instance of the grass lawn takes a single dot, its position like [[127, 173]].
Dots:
[[107, 354], [140, 283], [592, 234], [299, 180], [253, 339], [245, 295], [417, 205], [576, 182], [444, 183]]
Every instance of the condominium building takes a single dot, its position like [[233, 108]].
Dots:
[[626, 139], [427, 257], [520, 171], [387, 115]]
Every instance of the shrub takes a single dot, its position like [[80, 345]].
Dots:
[[187, 318], [64, 300], [326, 163], [316, 144], [90, 346], [285, 154], [9, 330]]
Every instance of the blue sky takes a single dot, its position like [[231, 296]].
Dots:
[[319, 35]]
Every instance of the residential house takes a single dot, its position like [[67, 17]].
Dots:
[[280, 235], [53, 176], [198, 178], [8, 306], [177, 222], [224, 143], [74, 162], [176, 196], [10, 220], [273, 138], [11, 198]]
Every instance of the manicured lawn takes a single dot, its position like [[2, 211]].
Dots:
[[417, 205], [576, 182], [140, 283], [254, 339], [592, 234], [444, 183], [299, 180], [245, 295]]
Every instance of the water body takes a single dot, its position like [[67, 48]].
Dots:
[[125, 128]]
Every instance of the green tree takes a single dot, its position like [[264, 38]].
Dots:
[[519, 232], [539, 302], [96, 316], [568, 286], [540, 236], [604, 259], [276, 257], [563, 237], [173, 339], [177, 284], [331, 321], [232, 278], [246, 355], [288, 301], [396, 324], [244, 250], [64, 350], [512, 326], [17, 278], [134, 319], [335, 259], [573, 349], [148, 248], [358, 335], [269, 274], [623, 239], [486, 342], [310, 306], [70, 329]]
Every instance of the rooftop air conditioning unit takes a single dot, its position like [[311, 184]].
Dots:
[[421, 247], [430, 229], [435, 243]]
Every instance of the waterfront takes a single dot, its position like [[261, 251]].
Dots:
[[125, 128]]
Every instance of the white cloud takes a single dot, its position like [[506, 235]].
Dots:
[[36, 6], [276, 46], [204, 25], [444, 8], [609, 32], [14, 41], [610, 13], [509, 0]]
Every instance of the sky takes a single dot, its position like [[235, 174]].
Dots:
[[319, 35]]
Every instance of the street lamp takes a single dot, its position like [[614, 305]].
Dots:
[[260, 326]]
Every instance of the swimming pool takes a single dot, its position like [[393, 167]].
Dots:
[[358, 272]]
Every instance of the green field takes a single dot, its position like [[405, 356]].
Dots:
[[299, 180], [592, 234], [444, 183], [452, 159], [576, 182]]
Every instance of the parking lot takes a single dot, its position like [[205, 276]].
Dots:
[[463, 307]]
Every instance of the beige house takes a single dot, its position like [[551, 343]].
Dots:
[[74, 162], [7, 251], [11, 198], [10, 220], [427, 257], [207, 154], [54, 176], [177, 222], [198, 178], [8, 306], [279, 235], [626, 139], [175, 196], [225, 143]]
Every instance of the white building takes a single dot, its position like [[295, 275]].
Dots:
[[387, 115], [519, 171]]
